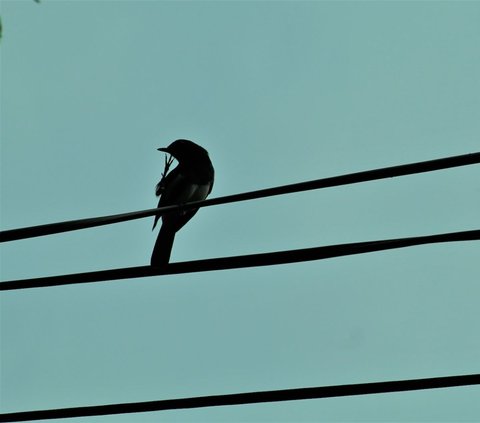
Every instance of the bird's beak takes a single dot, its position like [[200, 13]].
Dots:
[[164, 149]]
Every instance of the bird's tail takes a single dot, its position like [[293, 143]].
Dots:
[[163, 246]]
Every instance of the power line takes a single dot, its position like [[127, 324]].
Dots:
[[351, 178], [236, 262], [247, 398]]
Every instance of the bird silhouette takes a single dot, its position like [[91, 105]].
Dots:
[[191, 180]]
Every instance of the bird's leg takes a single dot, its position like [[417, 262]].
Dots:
[[168, 163], [161, 185]]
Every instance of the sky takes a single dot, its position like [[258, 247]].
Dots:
[[278, 92]]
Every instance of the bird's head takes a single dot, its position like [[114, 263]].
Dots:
[[184, 149]]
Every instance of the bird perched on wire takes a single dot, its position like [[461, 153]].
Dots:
[[191, 180]]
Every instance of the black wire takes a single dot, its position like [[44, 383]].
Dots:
[[236, 262], [351, 178], [247, 398]]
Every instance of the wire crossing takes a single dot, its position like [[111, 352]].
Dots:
[[350, 178], [237, 262], [247, 398]]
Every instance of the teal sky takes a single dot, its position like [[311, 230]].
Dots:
[[277, 92]]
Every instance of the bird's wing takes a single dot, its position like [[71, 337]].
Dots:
[[212, 179], [181, 189], [178, 188], [191, 192]]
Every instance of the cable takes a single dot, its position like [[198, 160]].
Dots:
[[236, 262], [351, 178], [247, 398]]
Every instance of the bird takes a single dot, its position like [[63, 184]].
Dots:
[[191, 180]]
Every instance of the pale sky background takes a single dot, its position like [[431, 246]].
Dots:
[[278, 92]]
